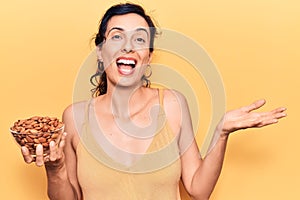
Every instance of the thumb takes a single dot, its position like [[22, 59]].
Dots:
[[255, 105]]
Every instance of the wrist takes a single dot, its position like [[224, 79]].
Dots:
[[223, 135]]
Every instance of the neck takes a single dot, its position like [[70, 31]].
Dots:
[[119, 99]]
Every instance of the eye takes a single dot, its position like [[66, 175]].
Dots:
[[140, 40], [116, 37]]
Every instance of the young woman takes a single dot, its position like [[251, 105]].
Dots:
[[131, 141]]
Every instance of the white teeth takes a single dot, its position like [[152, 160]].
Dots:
[[126, 62]]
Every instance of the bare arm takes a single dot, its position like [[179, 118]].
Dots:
[[200, 175], [59, 185]]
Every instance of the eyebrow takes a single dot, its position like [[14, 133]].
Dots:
[[121, 29], [142, 29], [115, 28]]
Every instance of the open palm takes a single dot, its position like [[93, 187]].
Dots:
[[244, 117]]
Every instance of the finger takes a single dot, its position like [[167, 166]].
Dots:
[[63, 138], [280, 115], [276, 113], [46, 159], [270, 118], [64, 135], [279, 110], [53, 151], [255, 105], [61, 148], [26, 155], [61, 145], [39, 155], [267, 122]]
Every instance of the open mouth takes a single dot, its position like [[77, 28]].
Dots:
[[126, 65]]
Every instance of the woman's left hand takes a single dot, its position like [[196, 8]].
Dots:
[[244, 117]]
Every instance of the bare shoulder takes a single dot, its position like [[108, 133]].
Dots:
[[73, 116], [71, 110], [174, 106], [174, 98]]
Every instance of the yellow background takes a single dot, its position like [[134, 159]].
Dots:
[[255, 45]]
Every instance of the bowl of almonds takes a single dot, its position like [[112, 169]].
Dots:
[[37, 130]]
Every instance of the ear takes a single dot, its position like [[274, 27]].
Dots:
[[99, 53]]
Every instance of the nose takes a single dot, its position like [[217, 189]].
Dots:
[[128, 47]]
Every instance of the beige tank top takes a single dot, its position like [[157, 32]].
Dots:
[[154, 176]]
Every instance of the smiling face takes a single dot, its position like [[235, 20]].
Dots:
[[125, 52]]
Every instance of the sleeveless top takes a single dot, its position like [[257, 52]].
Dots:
[[155, 174]]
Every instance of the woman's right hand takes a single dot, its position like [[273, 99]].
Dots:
[[53, 160]]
